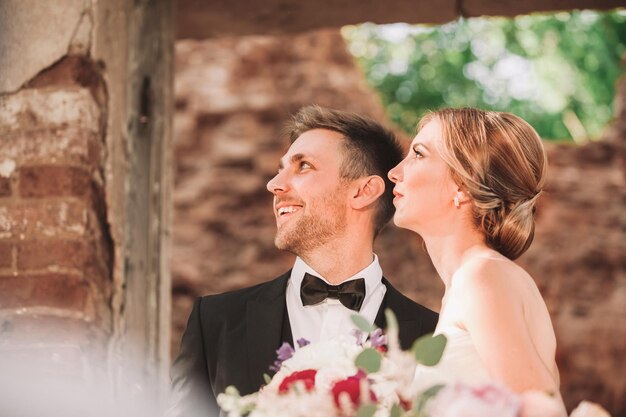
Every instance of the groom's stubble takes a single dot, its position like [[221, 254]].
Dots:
[[323, 219]]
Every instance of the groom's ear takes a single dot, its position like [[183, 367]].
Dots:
[[366, 191]]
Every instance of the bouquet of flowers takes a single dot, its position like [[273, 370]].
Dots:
[[373, 377], [342, 377]]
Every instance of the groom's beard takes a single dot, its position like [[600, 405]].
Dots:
[[324, 219]]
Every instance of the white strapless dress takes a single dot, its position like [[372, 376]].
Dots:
[[460, 362]]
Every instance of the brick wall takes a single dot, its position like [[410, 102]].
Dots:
[[55, 251]]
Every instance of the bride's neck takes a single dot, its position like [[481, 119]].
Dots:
[[449, 252]]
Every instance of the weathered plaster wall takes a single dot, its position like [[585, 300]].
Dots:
[[36, 34], [232, 96]]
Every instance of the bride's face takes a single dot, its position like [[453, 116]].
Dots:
[[424, 190]]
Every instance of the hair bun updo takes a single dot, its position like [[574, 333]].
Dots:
[[510, 230]]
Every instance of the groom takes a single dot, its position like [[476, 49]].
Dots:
[[331, 198]]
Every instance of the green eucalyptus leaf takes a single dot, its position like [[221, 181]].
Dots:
[[368, 360], [392, 321], [419, 407], [396, 411], [362, 324], [267, 378], [367, 410], [428, 350]]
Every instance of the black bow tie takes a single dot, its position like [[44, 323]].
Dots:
[[351, 293]]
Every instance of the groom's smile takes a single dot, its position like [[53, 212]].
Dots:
[[286, 210]]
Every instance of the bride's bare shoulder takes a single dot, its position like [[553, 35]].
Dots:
[[489, 277]]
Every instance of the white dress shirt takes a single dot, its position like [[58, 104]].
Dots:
[[330, 319]]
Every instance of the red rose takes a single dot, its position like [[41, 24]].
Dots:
[[405, 404], [352, 386], [307, 376]]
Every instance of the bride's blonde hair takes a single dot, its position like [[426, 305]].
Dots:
[[499, 160]]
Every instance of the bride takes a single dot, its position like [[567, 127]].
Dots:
[[468, 187]]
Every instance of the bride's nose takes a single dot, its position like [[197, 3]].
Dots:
[[395, 174]]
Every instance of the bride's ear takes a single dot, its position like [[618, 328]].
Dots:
[[366, 191]]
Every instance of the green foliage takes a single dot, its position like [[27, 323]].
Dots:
[[557, 71], [419, 406], [428, 350], [367, 410], [362, 324], [369, 360], [392, 321], [396, 411]]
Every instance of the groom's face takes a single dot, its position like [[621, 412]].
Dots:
[[310, 198]]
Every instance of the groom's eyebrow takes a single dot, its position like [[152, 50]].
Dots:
[[294, 158]]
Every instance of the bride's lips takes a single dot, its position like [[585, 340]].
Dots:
[[397, 195]]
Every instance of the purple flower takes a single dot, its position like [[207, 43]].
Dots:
[[358, 335], [378, 339], [302, 342], [284, 352], [275, 367]]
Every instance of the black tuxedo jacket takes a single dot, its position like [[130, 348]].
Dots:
[[231, 339]]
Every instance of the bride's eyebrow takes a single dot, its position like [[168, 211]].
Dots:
[[416, 144]]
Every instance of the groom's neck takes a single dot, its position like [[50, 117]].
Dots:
[[338, 261]]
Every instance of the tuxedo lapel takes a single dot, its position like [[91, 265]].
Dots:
[[380, 320], [264, 328], [410, 322]]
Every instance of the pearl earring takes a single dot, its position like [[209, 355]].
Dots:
[[457, 203]]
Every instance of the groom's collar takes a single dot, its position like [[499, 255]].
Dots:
[[372, 274]]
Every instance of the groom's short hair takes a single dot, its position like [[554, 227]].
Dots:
[[370, 149]]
